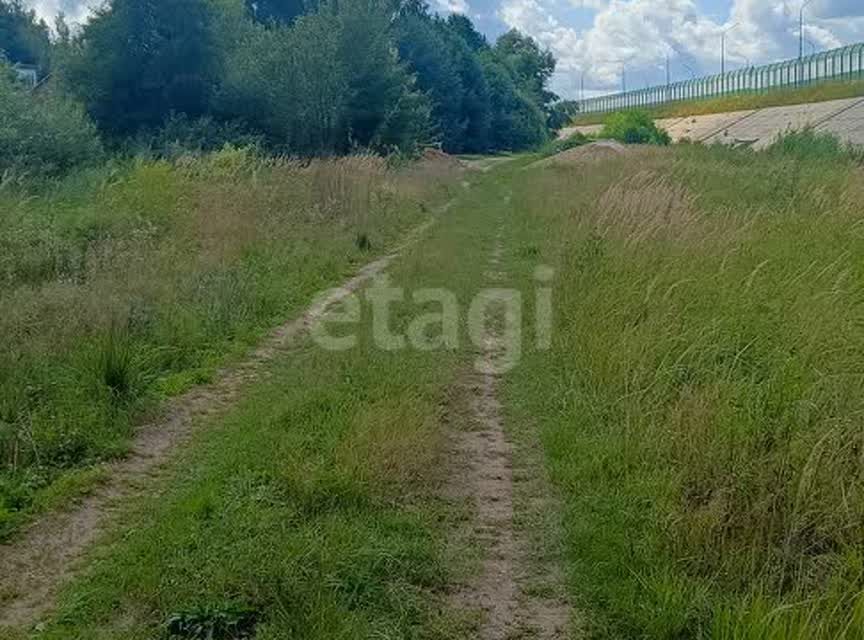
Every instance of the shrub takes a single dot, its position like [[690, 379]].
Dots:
[[809, 144], [42, 132], [182, 135], [554, 147], [634, 127]]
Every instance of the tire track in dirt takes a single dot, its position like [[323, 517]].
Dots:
[[484, 475], [46, 555]]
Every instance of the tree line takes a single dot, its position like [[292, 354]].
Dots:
[[297, 76]]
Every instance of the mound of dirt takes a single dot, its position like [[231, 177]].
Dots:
[[594, 152], [433, 155]]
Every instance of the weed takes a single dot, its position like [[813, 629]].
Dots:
[[812, 146], [314, 499], [213, 622], [362, 242], [554, 147], [117, 366]]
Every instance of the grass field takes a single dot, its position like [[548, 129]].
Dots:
[[700, 407], [697, 418], [835, 90], [124, 285], [314, 509]]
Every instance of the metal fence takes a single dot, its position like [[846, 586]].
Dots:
[[846, 62]]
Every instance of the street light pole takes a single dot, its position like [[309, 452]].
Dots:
[[668, 79], [723, 52], [801, 28]]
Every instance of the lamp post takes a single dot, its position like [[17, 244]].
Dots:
[[668, 92], [723, 54], [801, 28], [723, 46], [801, 40]]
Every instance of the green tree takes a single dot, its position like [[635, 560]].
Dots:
[[23, 38], [476, 99], [531, 66], [42, 132], [290, 83], [464, 28], [430, 57], [281, 11], [517, 121], [139, 61], [383, 105]]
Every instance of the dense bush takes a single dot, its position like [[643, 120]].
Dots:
[[181, 136], [42, 132], [634, 127]]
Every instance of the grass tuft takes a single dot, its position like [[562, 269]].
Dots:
[[229, 621]]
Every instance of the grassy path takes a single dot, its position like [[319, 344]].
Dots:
[[676, 454], [316, 503], [483, 475]]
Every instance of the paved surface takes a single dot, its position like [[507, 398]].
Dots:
[[762, 127], [759, 128], [848, 125], [698, 128]]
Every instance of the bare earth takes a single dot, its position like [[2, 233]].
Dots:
[[484, 475]]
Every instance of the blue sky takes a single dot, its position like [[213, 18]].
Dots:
[[596, 41]]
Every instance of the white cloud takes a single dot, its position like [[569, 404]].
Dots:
[[639, 34], [74, 10], [597, 5], [453, 6]]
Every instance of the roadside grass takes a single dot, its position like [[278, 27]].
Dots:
[[132, 282], [822, 92], [700, 406], [314, 509]]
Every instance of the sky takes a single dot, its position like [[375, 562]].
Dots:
[[604, 45]]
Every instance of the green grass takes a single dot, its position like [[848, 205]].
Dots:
[[129, 283], [700, 407], [821, 92], [314, 509], [698, 412]]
